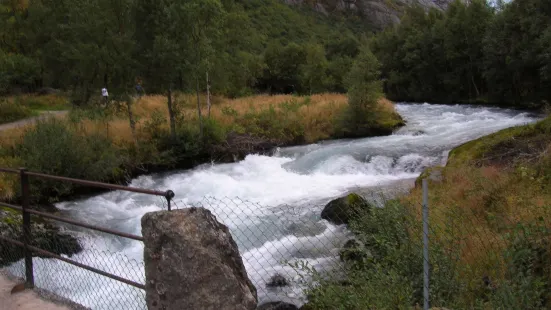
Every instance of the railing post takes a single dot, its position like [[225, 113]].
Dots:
[[426, 275], [29, 275], [169, 195]]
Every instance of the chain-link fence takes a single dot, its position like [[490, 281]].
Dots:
[[90, 261], [357, 252], [353, 253]]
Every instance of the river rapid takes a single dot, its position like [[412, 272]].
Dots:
[[271, 204]]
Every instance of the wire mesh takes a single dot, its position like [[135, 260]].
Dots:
[[346, 254], [95, 249]]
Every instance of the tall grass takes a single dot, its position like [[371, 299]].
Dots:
[[279, 120], [315, 114], [10, 112]]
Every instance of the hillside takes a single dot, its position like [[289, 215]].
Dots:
[[377, 13]]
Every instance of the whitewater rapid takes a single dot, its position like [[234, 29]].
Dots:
[[271, 204]]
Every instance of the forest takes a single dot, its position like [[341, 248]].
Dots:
[[476, 53], [244, 47]]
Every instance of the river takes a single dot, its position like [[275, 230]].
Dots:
[[270, 203]]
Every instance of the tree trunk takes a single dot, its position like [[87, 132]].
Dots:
[[208, 94], [199, 110], [171, 114], [475, 87], [131, 120]]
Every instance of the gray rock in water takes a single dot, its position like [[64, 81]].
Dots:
[[277, 280], [44, 235], [342, 210], [277, 305], [192, 262]]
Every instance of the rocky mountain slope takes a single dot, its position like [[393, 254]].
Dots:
[[379, 13]]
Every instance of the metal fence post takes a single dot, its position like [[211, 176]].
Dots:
[[169, 195], [426, 275], [29, 275]]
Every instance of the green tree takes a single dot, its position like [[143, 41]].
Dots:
[[515, 52], [282, 74], [314, 70], [364, 90]]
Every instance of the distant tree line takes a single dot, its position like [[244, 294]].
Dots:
[[473, 52], [240, 47]]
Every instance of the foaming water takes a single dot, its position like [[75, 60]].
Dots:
[[271, 204]]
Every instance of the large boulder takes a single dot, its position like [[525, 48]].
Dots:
[[192, 262], [342, 210]]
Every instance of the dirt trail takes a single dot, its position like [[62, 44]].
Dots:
[[24, 300], [27, 121]]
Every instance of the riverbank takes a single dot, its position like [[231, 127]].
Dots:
[[99, 143], [489, 232]]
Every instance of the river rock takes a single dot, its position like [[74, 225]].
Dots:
[[192, 262], [342, 210], [277, 280], [277, 305], [44, 235]]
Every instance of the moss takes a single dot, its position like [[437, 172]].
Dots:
[[343, 210], [490, 146]]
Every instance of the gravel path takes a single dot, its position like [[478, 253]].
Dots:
[[27, 121]]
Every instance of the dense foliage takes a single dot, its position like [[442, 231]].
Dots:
[[245, 46], [472, 52]]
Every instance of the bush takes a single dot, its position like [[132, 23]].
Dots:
[[17, 71], [389, 275], [10, 112], [282, 124], [54, 147]]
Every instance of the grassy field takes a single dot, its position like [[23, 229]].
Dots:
[[16, 108], [491, 208], [315, 115]]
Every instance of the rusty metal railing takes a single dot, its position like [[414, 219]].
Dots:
[[24, 208]]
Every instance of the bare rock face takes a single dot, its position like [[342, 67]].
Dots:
[[192, 262], [380, 13]]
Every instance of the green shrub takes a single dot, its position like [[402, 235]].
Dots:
[[283, 125], [17, 70], [528, 277], [54, 147], [10, 112], [390, 274]]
